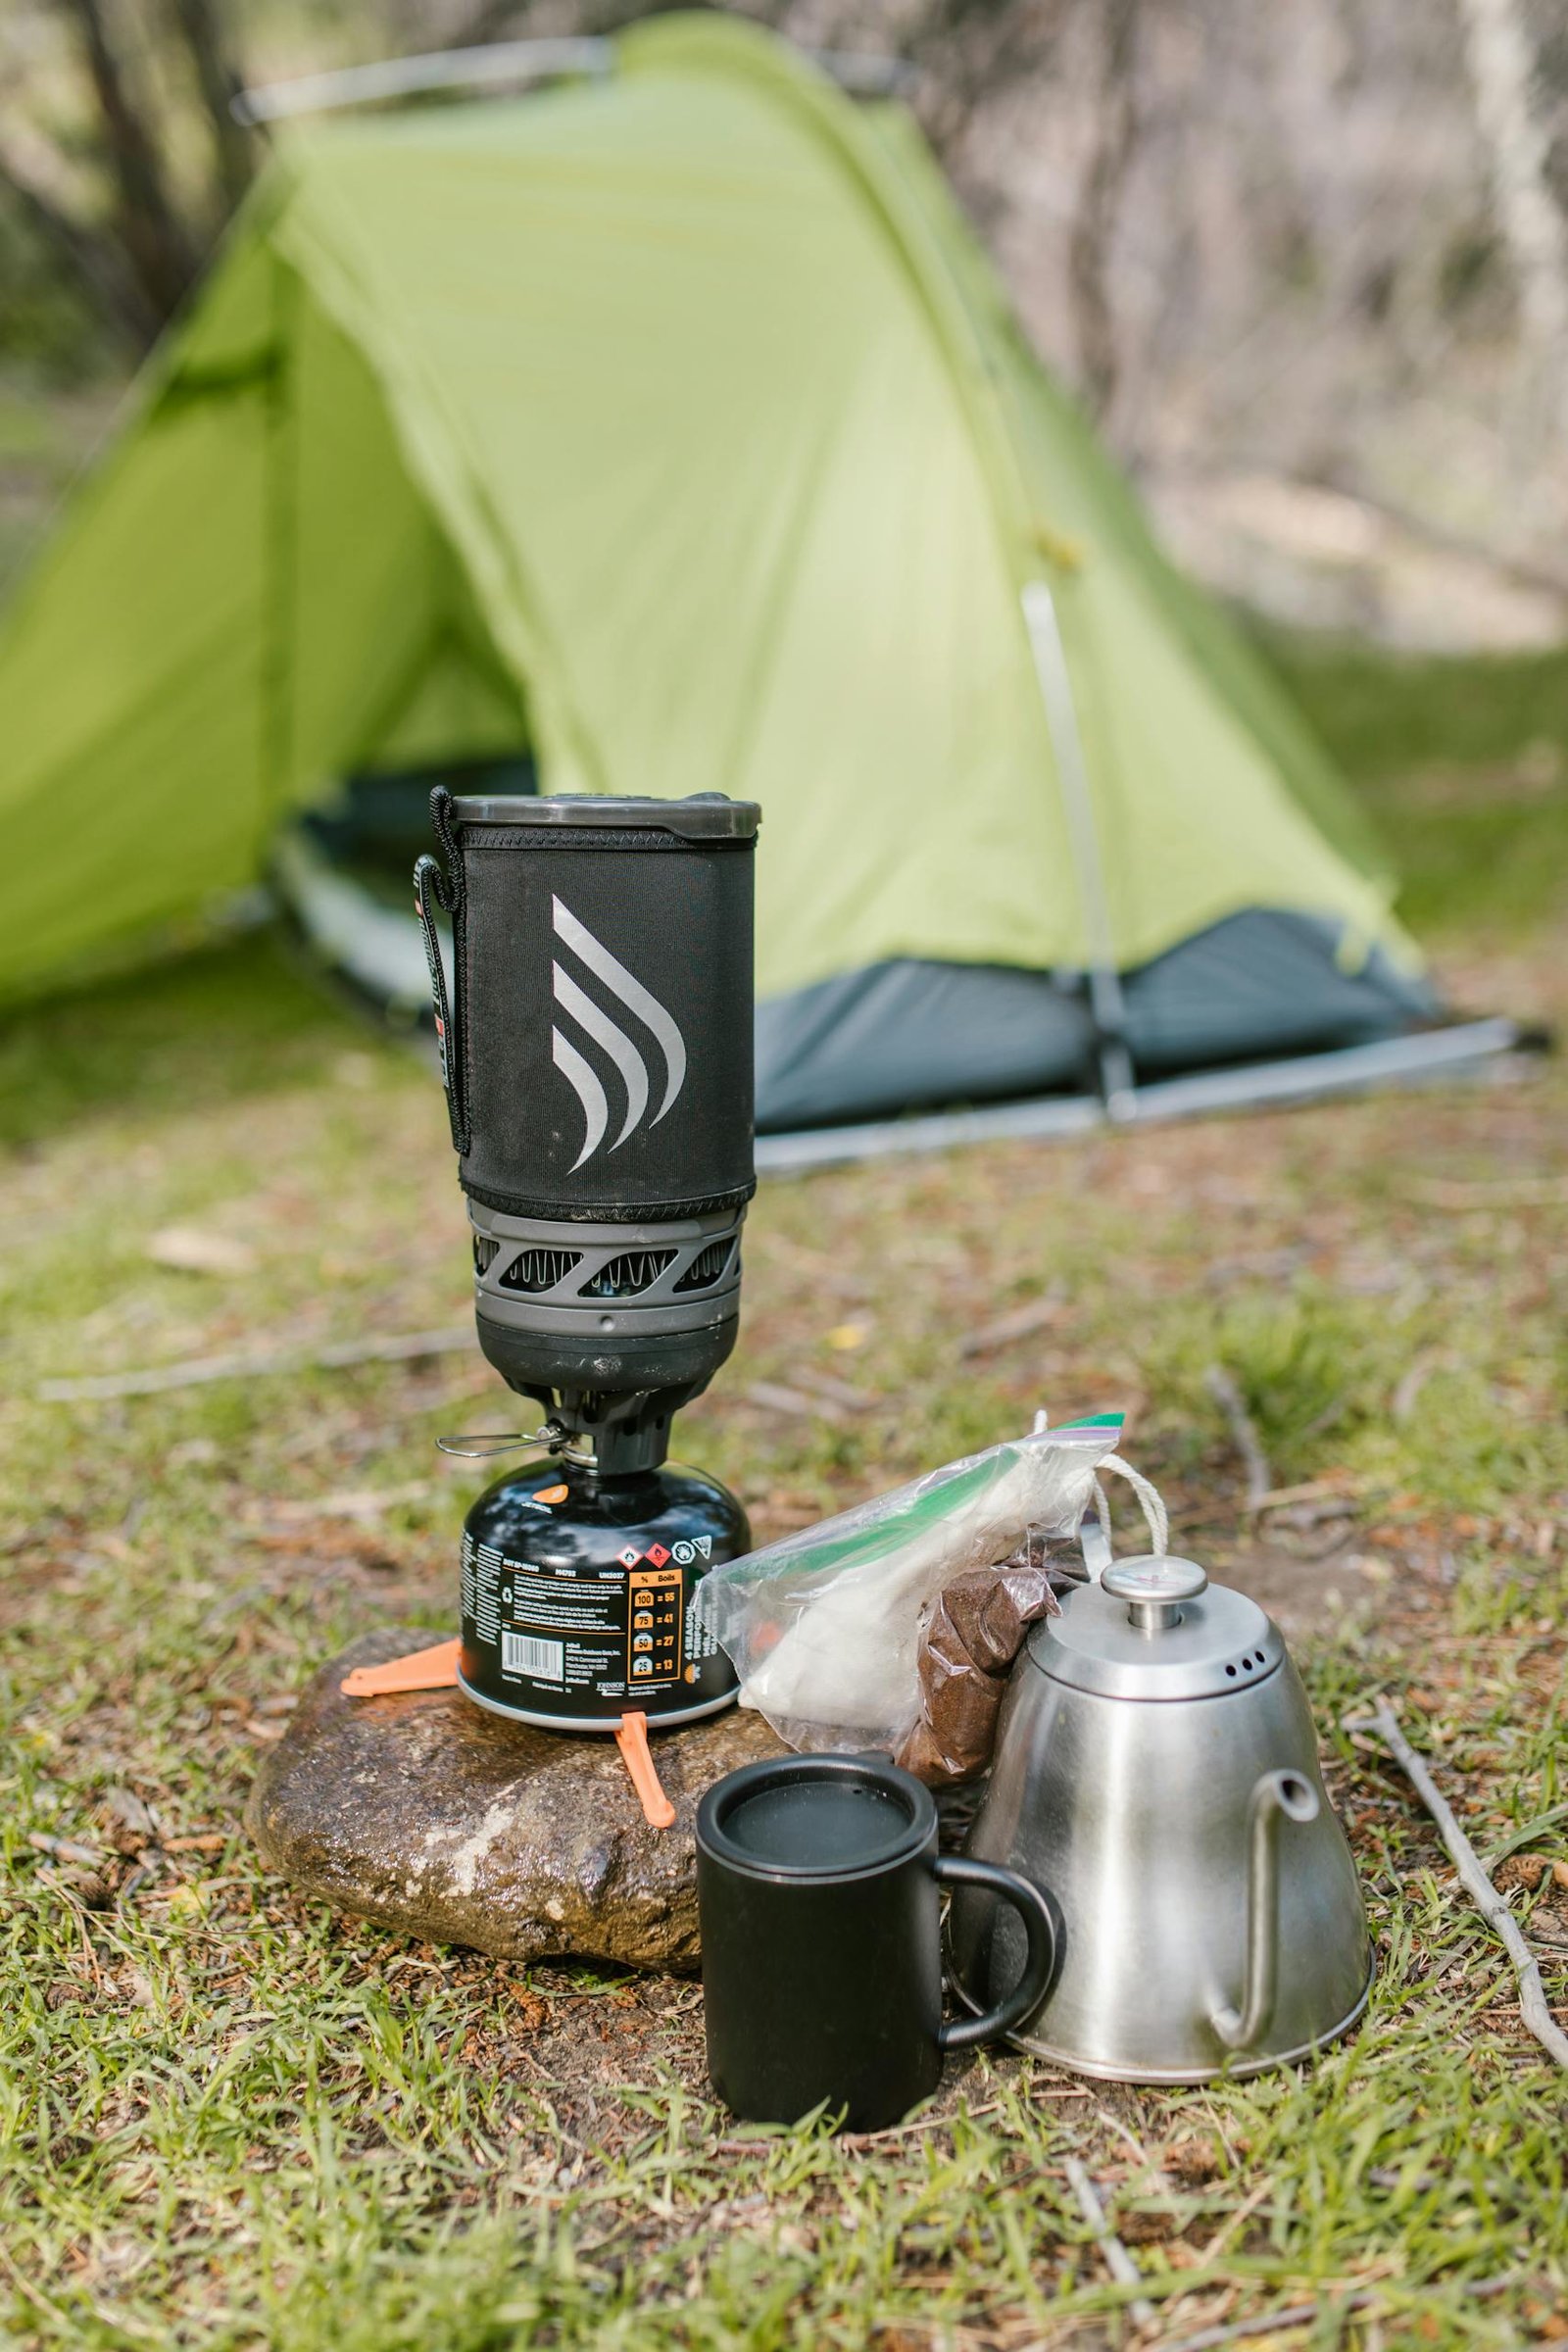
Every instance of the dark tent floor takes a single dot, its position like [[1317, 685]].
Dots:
[[1265, 987]]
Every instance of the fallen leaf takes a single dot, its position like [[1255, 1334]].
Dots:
[[359, 1503], [1195, 2157], [1521, 1870], [193, 1250], [126, 1807], [191, 1449]]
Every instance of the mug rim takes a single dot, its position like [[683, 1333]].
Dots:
[[826, 1767]]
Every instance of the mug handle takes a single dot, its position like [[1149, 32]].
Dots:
[[961, 1870]]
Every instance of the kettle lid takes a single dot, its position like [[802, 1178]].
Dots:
[[1155, 1628]]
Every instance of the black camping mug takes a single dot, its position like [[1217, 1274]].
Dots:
[[817, 1882]]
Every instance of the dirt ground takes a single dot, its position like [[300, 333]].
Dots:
[[240, 2118]]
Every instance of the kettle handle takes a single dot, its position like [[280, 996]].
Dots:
[[1276, 1796], [1040, 1958]]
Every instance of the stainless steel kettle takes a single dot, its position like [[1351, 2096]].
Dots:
[[1157, 1775]]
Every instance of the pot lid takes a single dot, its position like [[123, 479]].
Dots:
[[701, 817], [1156, 1629]]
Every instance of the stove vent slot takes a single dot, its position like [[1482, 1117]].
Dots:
[[706, 1267], [627, 1276], [539, 1269]]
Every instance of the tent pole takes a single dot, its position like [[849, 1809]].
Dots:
[[280, 529], [514, 64], [497, 63], [1106, 1005]]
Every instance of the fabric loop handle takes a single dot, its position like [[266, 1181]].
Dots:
[[433, 888], [1149, 1496]]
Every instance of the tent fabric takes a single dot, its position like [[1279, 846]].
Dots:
[[672, 427]]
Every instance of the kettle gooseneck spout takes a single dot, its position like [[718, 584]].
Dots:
[[1276, 1796]]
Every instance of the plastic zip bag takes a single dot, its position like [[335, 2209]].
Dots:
[[825, 1627], [970, 1643]]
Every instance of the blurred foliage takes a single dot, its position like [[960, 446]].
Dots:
[[1381, 713], [120, 158], [1464, 764], [50, 333], [132, 1040], [1287, 258]]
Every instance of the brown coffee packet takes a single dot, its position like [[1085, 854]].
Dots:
[[968, 1648]]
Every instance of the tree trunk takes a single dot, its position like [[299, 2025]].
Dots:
[[1100, 203], [203, 33], [91, 261], [1503, 73], [155, 240]]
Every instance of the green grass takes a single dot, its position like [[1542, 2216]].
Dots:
[[1463, 762], [133, 1049], [1384, 714], [234, 2118]]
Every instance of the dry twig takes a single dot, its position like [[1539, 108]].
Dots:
[[65, 1849], [1118, 2261], [836, 1392], [1534, 2006], [1510, 1191], [1301, 2315], [1411, 1383], [196, 1370], [1038, 1314], [1244, 1430], [775, 1397]]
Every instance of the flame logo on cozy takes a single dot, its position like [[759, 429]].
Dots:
[[612, 1040]]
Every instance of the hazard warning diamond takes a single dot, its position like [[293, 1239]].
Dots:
[[630, 1558], [658, 1555]]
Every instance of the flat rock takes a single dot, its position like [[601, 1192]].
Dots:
[[456, 1825]]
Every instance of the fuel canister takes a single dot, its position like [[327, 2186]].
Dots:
[[576, 1594]]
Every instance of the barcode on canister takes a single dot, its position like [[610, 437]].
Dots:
[[523, 1653]]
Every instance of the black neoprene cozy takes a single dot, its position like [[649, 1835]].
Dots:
[[596, 1054], [601, 1066]]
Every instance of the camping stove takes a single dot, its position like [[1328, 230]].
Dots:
[[597, 1057]]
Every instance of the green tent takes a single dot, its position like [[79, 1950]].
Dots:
[[669, 428]]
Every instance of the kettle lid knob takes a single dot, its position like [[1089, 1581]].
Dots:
[[1153, 1588]]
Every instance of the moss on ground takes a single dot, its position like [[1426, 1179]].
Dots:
[[235, 2119]]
